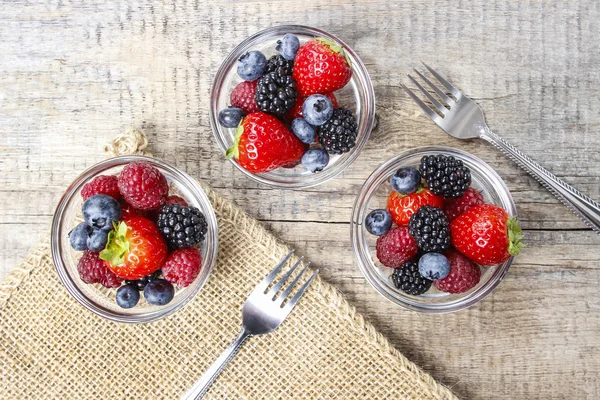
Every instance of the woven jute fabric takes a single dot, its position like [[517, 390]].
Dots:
[[53, 348]]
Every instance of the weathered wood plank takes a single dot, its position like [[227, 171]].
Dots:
[[75, 73]]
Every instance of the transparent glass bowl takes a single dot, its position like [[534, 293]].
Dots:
[[357, 95], [99, 299], [374, 194]]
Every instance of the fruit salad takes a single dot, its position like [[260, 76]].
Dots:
[[437, 230], [137, 238], [285, 112]]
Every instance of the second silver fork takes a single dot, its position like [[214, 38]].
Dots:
[[262, 313]]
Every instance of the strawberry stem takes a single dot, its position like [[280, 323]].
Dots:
[[336, 48], [233, 151], [117, 245], [514, 237]]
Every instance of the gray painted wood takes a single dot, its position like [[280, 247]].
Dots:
[[75, 73]]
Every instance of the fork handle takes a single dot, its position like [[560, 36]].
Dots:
[[201, 387], [586, 208]]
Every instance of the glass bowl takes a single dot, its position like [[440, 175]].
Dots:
[[357, 95], [374, 194], [101, 300]]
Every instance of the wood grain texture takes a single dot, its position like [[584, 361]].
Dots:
[[75, 73]]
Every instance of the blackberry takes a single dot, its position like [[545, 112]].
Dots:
[[338, 134], [279, 64], [429, 226], [445, 175], [276, 93], [408, 279], [181, 226], [141, 283]]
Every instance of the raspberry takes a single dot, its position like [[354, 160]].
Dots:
[[102, 184], [396, 247], [182, 266], [464, 274], [455, 207], [242, 96], [176, 200], [93, 270], [143, 186]]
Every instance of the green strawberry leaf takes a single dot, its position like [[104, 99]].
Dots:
[[514, 237], [234, 151], [117, 245]]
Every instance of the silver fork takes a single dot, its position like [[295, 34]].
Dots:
[[262, 313], [462, 118]]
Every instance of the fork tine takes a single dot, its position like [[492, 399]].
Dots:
[[284, 278], [290, 304], [432, 99], [443, 95], [262, 286], [290, 287], [444, 82], [432, 114]]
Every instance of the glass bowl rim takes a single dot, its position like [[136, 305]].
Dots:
[[363, 258], [209, 259], [363, 77]]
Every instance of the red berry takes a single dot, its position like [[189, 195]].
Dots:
[[176, 200], [396, 247], [93, 270], [321, 66], [263, 143], [486, 234], [143, 186], [455, 207], [402, 207], [182, 266], [128, 211], [463, 275], [296, 111], [134, 249], [242, 96], [102, 184]]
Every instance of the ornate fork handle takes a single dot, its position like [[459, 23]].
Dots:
[[582, 205], [201, 387]]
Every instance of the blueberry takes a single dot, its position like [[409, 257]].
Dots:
[[100, 211], [159, 292], [230, 117], [304, 131], [315, 160], [317, 109], [251, 65], [434, 266], [97, 241], [378, 222], [406, 180], [288, 46], [127, 296], [79, 236]]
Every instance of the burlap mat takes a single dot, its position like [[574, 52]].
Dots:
[[52, 348]]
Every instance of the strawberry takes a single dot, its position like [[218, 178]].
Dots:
[[321, 66], [396, 247], [296, 111], [242, 97], [402, 207], [486, 234], [263, 143], [135, 249], [455, 207]]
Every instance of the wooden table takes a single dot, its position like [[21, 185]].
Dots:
[[75, 73]]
